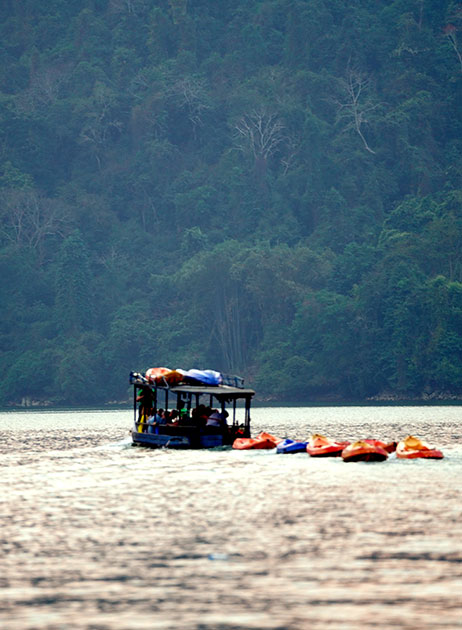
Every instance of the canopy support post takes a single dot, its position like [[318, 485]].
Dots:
[[247, 417]]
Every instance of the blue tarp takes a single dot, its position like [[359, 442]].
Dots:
[[206, 377]]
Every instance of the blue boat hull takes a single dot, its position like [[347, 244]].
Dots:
[[291, 446], [159, 440]]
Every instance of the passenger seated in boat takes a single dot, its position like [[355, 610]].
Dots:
[[174, 417], [217, 420], [200, 415], [160, 419], [151, 421], [185, 419]]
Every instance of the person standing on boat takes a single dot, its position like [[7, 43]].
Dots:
[[145, 398]]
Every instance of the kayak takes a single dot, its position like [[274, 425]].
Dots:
[[164, 376], [413, 448], [320, 446], [365, 451], [261, 441], [291, 446], [390, 447], [155, 374], [204, 377]]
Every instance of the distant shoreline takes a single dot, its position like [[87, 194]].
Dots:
[[376, 401]]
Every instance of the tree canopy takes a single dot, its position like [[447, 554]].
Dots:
[[268, 187]]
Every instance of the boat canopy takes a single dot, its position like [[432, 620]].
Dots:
[[219, 391]]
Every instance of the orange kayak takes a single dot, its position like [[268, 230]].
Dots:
[[156, 373], [320, 446], [412, 448], [365, 451], [390, 447], [162, 375], [261, 441]]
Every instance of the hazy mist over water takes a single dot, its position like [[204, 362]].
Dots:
[[97, 534]]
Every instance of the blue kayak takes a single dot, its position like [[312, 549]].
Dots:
[[291, 446], [205, 377]]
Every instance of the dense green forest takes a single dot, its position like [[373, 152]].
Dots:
[[264, 187]]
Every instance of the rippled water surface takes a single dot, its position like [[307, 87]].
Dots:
[[97, 534]]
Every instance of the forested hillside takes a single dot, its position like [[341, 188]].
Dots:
[[267, 187]]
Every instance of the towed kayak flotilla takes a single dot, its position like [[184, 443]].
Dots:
[[193, 391], [413, 448]]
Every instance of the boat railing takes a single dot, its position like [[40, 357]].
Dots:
[[233, 381]]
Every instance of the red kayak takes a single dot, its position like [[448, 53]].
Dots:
[[412, 448], [261, 441], [365, 451], [320, 446], [390, 447]]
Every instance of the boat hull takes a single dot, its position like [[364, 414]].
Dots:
[[389, 447], [291, 446], [430, 454], [366, 451], [159, 440], [260, 442], [328, 450], [366, 457]]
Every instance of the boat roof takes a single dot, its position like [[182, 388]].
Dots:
[[223, 391], [214, 390]]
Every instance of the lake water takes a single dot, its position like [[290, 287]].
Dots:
[[97, 534]]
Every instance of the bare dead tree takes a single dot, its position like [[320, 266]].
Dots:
[[357, 105], [100, 124], [141, 83], [28, 219], [190, 93], [259, 133], [178, 10], [450, 32], [292, 149], [132, 7], [228, 329], [44, 89]]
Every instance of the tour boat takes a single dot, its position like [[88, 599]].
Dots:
[[413, 448], [291, 446], [365, 451], [321, 446], [186, 391], [261, 441]]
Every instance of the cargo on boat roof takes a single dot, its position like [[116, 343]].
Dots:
[[187, 408]]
